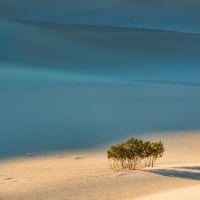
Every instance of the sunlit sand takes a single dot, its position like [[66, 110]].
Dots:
[[86, 175]]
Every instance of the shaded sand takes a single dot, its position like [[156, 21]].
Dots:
[[86, 175], [171, 15], [88, 82], [97, 47]]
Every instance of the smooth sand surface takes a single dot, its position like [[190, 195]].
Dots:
[[183, 194], [86, 175], [171, 15]]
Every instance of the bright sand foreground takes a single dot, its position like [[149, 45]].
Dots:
[[87, 175]]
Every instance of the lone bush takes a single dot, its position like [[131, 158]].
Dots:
[[131, 152]]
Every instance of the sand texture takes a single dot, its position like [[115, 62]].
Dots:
[[179, 194], [86, 175], [86, 74]]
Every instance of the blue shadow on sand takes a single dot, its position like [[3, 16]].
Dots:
[[193, 175]]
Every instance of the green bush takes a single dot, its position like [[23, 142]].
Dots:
[[131, 152]]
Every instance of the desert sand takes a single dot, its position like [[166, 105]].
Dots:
[[80, 74], [96, 70], [183, 194], [86, 175]]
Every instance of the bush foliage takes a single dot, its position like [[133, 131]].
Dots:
[[131, 153]]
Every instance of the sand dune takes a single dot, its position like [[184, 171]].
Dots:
[[63, 176], [171, 15], [55, 111], [94, 83], [182, 194], [99, 49], [78, 75]]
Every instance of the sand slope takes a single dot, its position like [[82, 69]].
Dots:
[[77, 74], [171, 15], [95, 70], [95, 83], [87, 175], [179, 194], [97, 49]]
